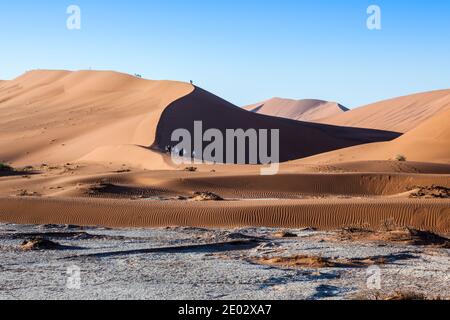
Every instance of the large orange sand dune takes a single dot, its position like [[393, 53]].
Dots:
[[62, 116], [400, 114], [302, 110], [100, 131], [429, 142]]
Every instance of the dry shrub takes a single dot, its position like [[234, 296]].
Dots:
[[206, 196], [5, 167], [39, 244], [304, 261]]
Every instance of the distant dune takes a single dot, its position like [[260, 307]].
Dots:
[[429, 142], [302, 110], [400, 114], [102, 116]]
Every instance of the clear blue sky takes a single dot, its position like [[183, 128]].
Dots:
[[242, 50]]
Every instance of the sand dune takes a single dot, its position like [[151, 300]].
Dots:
[[297, 139], [235, 182], [320, 200], [102, 136], [327, 214], [400, 114], [292, 186], [429, 142], [62, 116], [302, 110], [387, 166], [130, 155]]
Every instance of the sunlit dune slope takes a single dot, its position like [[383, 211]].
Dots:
[[302, 110], [429, 142], [103, 116], [399, 114]]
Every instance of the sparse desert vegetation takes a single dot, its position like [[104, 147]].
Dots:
[[399, 295], [400, 158], [206, 196], [5, 167], [407, 236], [39, 243], [432, 192]]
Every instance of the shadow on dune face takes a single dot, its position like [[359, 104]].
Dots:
[[297, 139], [17, 172]]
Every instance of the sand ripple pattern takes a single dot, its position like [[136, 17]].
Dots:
[[433, 215]]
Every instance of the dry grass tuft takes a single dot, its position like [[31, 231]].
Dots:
[[399, 295], [406, 236], [5, 168], [39, 244], [314, 262], [285, 234], [400, 158], [206, 196], [433, 192]]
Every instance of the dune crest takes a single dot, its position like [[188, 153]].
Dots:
[[60, 116], [97, 144], [429, 142], [297, 139], [57, 116], [301, 110], [399, 114]]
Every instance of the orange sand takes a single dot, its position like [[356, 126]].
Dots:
[[302, 110], [331, 214], [100, 136], [400, 114]]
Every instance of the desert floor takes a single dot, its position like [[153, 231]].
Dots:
[[316, 232], [196, 263]]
